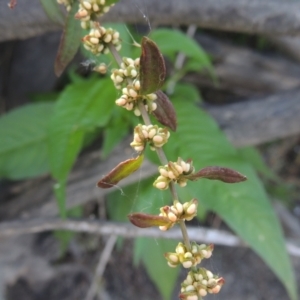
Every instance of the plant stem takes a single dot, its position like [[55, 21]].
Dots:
[[185, 235], [115, 53], [160, 153]]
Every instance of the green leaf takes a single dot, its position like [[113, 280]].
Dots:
[[70, 41], [23, 136], [253, 156], [60, 195], [152, 255], [244, 206], [115, 131], [172, 41], [121, 171], [53, 11], [80, 108]]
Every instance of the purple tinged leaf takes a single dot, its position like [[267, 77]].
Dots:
[[165, 112], [69, 42], [152, 67], [121, 171], [146, 220], [218, 173]]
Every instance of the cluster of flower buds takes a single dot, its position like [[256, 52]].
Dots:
[[173, 171], [129, 70], [152, 134], [199, 283], [178, 211], [129, 73], [89, 10], [130, 98], [99, 38], [189, 258], [66, 3]]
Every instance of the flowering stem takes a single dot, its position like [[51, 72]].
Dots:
[[160, 153], [115, 53], [185, 235]]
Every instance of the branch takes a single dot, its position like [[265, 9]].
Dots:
[[255, 16], [198, 234], [36, 225]]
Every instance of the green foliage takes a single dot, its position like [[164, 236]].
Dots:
[[115, 131], [80, 108], [254, 157], [23, 136], [171, 42], [244, 206], [151, 254], [43, 136]]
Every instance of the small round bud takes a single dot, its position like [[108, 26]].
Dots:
[[191, 209], [190, 288], [173, 258], [202, 292], [216, 289], [161, 185], [187, 264], [157, 139], [163, 172], [95, 7], [163, 228], [179, 169], [172, 217], [94, 40], [133, 93], [179, 207], [209, 274], [171, 175], [152, 133], [87, 4], [204, 282], [121, 101], [180, 249], [139, 148], [137, 112], [107, 38], [154, 107]]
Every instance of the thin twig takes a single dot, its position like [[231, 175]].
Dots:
[[196, 233], [104, 258]]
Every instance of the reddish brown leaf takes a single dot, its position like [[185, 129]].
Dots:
[[122, 170], [145, 220], [152, 67], [218, 173], [12, 4], [165, 112], [69, 42]]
